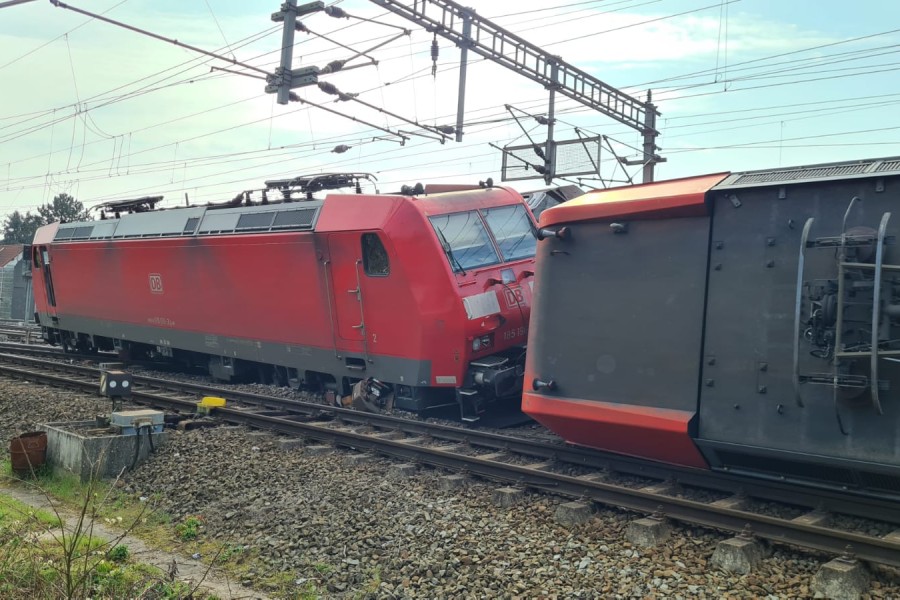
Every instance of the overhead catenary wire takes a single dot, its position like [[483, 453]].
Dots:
[[644, 84], [155, 35], [339, 66], [48, 42], [219, 27], [487, 121], [102, 99]]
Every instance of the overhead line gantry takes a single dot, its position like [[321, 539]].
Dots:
[[470, 31]]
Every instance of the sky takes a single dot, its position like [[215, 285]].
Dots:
[[104, 113]]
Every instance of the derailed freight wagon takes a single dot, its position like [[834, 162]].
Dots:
[[747, 322]]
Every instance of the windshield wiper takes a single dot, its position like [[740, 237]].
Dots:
[[448, 250]]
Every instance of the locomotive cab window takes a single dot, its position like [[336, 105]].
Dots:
[[375, 257], [513, 230], [465, 240]]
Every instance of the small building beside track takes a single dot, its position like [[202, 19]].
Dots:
[[16, 298]]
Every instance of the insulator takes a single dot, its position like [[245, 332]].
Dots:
[[336, 12], [434, 55], [333, 67], [265, 197], [340, 149], [293, 97], [542, 120], [299, 26], [328, 88], [448, 129]]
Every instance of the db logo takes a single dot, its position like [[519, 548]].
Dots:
[[513, 296], [156, 286]]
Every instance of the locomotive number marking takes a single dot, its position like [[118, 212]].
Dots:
[[156, 285], [514, 296], [511, 334]]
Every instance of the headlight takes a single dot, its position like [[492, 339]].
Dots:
[[483, 342]]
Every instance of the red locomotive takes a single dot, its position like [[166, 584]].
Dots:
[[426, 292], [747, 322]]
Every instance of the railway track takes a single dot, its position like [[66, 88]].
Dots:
[[559, 469], [27, 333]]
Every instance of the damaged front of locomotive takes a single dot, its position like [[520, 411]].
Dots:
[[488, 239]]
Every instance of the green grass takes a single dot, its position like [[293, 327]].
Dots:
[[284, 585], [66, 487], [14, 510], [24, 570], [231, 553]]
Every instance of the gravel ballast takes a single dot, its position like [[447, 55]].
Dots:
[[360, 530]]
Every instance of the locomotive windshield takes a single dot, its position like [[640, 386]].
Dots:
[[513, 231], [468, 245], [465, 240]]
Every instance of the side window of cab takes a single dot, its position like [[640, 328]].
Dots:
[[375, 256]]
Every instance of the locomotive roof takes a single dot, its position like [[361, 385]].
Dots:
[[308, 215], [201, 220]]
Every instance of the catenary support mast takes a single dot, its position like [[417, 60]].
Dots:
[[469, 31]]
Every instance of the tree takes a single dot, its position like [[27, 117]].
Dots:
[[20, 229], [64, 208]]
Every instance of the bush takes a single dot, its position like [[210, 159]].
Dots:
[[118, 553], [189, 528]]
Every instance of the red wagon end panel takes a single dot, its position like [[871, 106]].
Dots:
[[609, 307], [674, 198], [646, 432]]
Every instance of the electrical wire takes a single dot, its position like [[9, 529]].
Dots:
[[598, 34], [47, 43]]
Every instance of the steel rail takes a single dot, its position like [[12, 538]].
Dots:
[[879, 550], [823, 498]]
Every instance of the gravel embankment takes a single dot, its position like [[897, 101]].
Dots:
[[359, 531]]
